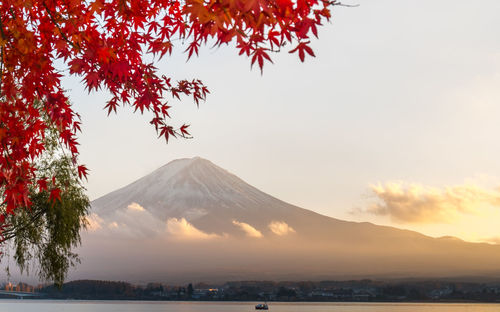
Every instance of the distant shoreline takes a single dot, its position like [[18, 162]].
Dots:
[[362, 291]]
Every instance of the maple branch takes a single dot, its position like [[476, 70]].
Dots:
[[63, 35], [7, 155], [1, 60], [12, 13], [344, 5], [1, 30], [272, 50], [1, 70]]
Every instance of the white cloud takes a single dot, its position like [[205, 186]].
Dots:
[[180, 228], [94, 222], [135, 207], [280, 228], [249, 230], [415, 203]]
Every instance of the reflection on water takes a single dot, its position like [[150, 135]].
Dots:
[[141, 306]]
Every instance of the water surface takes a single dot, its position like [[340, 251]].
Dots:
[[141, 306]]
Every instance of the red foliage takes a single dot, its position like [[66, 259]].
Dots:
[[104, 42]]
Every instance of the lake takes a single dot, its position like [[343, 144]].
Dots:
[[141, 306]]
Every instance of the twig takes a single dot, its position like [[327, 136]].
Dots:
[[1, 60], [345, 5], [12, 231], [59, 27]]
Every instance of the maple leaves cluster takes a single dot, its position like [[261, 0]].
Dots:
[[258, 26], [107, 42]]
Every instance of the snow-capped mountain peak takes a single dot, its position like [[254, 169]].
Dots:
[[189, 188]]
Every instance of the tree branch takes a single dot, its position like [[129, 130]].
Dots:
[[344, 5], [13, 230], [63, 35], [2, 33]]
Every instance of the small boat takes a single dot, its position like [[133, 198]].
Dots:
[[261, 306]]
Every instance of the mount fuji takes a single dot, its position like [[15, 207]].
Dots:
[[191, 220]]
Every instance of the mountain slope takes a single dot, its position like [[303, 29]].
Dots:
[[191, 219]]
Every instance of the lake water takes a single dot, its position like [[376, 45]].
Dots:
[[141, 306]]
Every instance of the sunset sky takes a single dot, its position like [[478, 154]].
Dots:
[[396, 121]]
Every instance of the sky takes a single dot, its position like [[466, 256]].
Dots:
[[395, 121]]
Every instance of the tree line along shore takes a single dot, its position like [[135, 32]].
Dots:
[[322, 291]]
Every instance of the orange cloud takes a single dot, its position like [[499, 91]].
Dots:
[[94, 222], [415, 203], [249, 230], [280, 228], [181, 228], [135, 207]]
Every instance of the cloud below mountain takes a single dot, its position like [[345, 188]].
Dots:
[[249, 230], [416, 203], [94, 222], [182, 229], [135, 207], [280, 228]]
